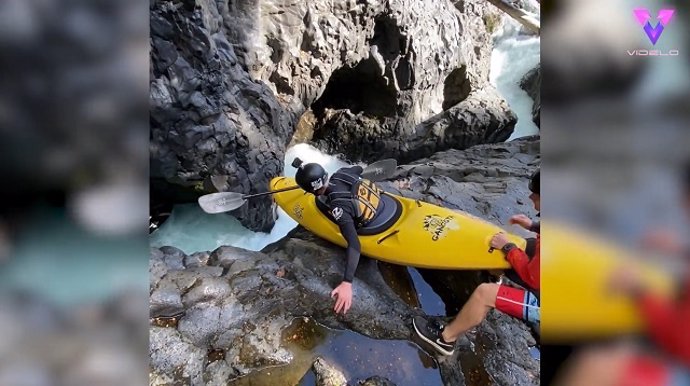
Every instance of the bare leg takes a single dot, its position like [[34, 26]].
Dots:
[[473, 312]]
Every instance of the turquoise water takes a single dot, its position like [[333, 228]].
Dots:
[[57, 260], [192, 230]]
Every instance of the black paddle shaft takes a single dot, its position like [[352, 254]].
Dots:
[[271, 192]]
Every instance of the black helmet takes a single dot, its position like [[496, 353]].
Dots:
[[310, 177], [534, 183]]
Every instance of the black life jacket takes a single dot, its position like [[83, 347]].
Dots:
[[363, 195]]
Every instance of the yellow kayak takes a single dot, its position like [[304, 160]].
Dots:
[[406, 231], [576, 303]]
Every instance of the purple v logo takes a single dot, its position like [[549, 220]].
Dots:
[[653, 33]]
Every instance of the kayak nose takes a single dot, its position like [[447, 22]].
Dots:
[[275, 183]]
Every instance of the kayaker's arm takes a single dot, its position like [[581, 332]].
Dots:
[[343, 216], [526, 268], [349, 232]]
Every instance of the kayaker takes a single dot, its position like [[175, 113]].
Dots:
[[352, 203], [520, 303]]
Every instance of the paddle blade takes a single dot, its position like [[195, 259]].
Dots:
[[221, 202], [380, 170]]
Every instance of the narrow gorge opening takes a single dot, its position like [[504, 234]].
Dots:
[[361, 89], [388, 38]]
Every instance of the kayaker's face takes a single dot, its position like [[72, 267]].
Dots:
[[535, 200], [320, 191]]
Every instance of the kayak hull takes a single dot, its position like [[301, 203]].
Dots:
[[577, 303], [425, 235]]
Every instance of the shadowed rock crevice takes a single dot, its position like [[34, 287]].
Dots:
[[360, 89], [456, 88], [388, 38]]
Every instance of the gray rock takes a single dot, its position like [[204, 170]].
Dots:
[[506, 341], [173, 257], [218, 373], [171, 355], [483, 116], [200, 324], [196, 259], [327, 374], [485, 180], [209, 289], [209, 116], [226, 256], [157, 254], [165, 302], [181, 281], [531, 83], [157, 269], [377, 381], [205, 271]]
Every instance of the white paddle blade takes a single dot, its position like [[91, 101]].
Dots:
[[221, 202]]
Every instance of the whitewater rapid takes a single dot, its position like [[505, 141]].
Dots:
[[514, 54]]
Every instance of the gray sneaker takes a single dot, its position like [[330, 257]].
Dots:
[[430, 331]]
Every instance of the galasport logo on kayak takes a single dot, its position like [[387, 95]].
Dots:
[[298, 210], [653, 28], [436, 225]]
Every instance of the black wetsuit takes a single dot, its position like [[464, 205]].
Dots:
[[344, 214]]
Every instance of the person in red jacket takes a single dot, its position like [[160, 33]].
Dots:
[[666, 320], [667, 362], [517, 302]]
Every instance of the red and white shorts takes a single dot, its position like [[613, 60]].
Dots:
[[518, 303]]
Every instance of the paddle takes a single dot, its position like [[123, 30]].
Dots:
[[226, 201]]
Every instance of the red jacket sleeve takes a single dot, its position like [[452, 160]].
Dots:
[[528, 270], [667, 324]]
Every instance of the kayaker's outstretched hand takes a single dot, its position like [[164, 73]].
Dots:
[[521, 220], [343, 297]]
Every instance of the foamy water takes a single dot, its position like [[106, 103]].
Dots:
[[513, 56]]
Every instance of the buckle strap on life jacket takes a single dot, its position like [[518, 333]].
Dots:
[[363, 195]]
